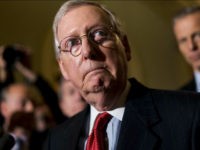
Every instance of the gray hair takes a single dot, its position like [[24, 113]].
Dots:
[[185, 12], [71, 4]]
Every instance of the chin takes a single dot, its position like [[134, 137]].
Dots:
[[98, 89], [102, 108], [99, 100], [101, 105]]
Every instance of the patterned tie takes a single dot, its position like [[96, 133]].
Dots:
[[97, 139]]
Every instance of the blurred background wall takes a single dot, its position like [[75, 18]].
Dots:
[[155, 62]]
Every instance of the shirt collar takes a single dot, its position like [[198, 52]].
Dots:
[[197, 76], [197, 80], [117, 112]]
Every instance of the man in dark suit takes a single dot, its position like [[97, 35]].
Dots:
[[93, 52], [186, 25]]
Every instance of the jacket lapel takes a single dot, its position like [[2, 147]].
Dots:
[[139, 119], [76, 131]]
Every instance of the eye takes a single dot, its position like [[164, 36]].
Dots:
[[182, 41], [72, 42], [197, 35], [100, 35]]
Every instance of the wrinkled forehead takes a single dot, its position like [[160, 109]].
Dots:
[[86, 10], [84, 16]]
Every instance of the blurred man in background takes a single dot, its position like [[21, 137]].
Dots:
[[186, 25], [14, 98], [70, 100], [53, 107]]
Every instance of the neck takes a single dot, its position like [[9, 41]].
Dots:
[[120, 99]]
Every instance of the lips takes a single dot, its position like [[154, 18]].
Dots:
[[194, 57], [94, 71]]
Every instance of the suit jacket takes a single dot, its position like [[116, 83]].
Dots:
[[190, 86], [153, 120]]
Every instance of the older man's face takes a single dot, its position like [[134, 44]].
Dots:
[[100, 70]]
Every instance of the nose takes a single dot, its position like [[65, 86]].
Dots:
[[88, 49], [192, 44]]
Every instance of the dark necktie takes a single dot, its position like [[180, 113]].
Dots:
[[97, 139]]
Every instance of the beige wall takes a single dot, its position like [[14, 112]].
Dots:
[[155, 59]]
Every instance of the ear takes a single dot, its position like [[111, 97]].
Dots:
[[127, 47], [62, 68]]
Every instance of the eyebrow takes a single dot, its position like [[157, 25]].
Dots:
[[73, 33]]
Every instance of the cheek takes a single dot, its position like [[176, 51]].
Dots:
[[117, 60], [73, 71], [184, 50], [68, 67], [119, 57], [74, 74]]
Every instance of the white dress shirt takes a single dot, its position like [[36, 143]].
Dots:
[[114, 124], [197, 80]]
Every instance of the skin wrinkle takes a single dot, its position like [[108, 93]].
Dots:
[[98, 72]]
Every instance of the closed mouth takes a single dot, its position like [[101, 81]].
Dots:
[[95, 69]]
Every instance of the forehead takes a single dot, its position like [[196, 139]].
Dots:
[[81, 18], [17, 88], [188, 20], [17, 92], [187, 25]]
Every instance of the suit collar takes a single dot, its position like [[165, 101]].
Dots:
[[139, 120], [140, 100], [77, 130], [138, 128]]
